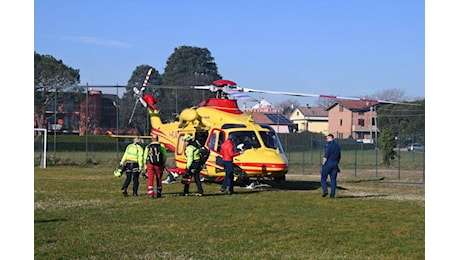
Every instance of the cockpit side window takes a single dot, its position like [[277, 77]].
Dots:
[[245, 140]]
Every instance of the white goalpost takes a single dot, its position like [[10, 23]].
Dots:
[[40, 146]]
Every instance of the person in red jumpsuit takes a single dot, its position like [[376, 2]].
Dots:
[[228, 152]]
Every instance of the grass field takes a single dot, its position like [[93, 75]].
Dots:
[[408, 167], [79, 213]]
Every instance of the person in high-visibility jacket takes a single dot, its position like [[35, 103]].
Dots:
[[193, 167], [133, 162], [155, 159]]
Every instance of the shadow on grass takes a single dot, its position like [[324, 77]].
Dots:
[[215, 194], [290, 185], [365, 180], [359, 196], [299, 185], [273, 185], [295, 185], [49, 220]]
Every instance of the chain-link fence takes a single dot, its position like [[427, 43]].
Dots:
[[303, 151], [76, 127], [358, 159]]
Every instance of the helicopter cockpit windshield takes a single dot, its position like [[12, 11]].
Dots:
[[247, 139], [271, 139]]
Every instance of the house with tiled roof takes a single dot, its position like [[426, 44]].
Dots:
[[355, 119], [264, 113], [273, 117], [312, 119]]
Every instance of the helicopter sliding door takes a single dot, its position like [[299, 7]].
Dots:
[[216, 139]]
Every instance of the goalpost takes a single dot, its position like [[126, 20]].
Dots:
[[40, 146]]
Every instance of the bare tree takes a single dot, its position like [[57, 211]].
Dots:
[[287, 106], [391, 94]]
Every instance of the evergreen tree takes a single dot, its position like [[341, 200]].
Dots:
[[407, 121], [388, 144], [187, 66], [50, 78]]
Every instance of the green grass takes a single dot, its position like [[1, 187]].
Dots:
[[79, 213], [366, 163]]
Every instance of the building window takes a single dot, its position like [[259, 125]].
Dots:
[[341, 122], [373, 121], [361, 122]]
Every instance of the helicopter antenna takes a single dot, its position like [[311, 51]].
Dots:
[[138, 94]]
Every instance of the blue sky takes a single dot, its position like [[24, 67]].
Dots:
[[347, 48]]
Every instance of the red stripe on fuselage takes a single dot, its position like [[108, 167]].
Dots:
[[163, 135], [255, 167]]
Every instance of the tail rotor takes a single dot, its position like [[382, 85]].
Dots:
[[138, 94]]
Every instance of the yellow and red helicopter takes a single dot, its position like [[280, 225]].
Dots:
[[212, 122]]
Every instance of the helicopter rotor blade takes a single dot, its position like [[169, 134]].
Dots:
[[321, 96], [206, 87], [238, 94], [132, 113], [226, 88]]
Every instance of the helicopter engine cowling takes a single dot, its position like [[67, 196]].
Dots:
[[188, 115]]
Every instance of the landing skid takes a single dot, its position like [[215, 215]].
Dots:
[[172, 178], [257, 185]]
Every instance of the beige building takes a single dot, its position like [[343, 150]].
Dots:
[[312, 119], [353, 119]]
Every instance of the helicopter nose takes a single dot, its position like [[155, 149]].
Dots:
[[269, 161]]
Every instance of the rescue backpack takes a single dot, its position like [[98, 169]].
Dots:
[[204, 154], [154, 155]]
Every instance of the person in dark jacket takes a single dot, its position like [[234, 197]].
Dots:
[[330, 166]]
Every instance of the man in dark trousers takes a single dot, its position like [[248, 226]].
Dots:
[[133, 160], [330, 166], [193, 168], [228, 152]]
